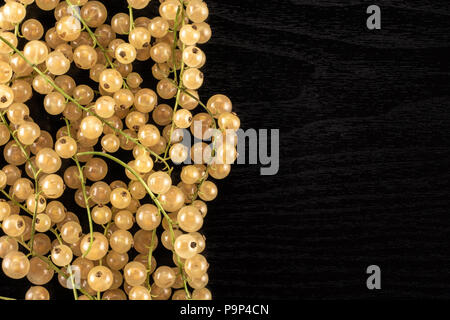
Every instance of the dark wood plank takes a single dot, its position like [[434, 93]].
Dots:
[[364, 152], [364, 119]]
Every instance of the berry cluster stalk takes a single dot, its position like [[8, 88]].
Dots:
[[91, 34], [179, 22], [35, 177], [79, 106], [83, 190], [153, 197]]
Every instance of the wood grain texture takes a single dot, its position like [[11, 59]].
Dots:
[[364, 119], [364, 179]]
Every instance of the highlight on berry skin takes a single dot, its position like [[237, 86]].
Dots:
[[96, 189]]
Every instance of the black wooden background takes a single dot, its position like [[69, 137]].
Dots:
[[364, 157], [364, 120]]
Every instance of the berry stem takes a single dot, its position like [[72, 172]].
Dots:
[[19, 144], [150, 254], [16, 30], [91, 34], [52, 266], [36, 199], [74, 289], [86, 202], [35, 176], [175, 40], [69, 98], [152, 195], [179, 83], [94, 39], [85, 197], [107, 228], [213, 151], [52, 230], [130, 10], [16, 203], [132, 171]]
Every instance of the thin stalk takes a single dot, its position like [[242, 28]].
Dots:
[[180, 82], [95, 40], [52, 266], [74, 289], [16, 30], [71, 99], [150, 255], [19, 144], [85, 197], [86, 202], [35, 176], [130, 10], [132, 171], [91, 34], [6, 298], [174, 46], [86, 294], [154, 198], [136, 141], [107, 228], [177, 102], [16, 203], [36, 199], [213, 151], [58, 237]]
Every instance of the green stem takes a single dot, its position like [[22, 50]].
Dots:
[[132, 171], [83, 190], [35, 175], [130, 9], [175, 42], [52, 266], [107, 228], [91, 34], [15, 202], [213, 151], [6, 298], [179, 83], [154, 198], [46, 260], [58, 237], [19, 144], [74, 289], [71, 99], [86, 202], [150, 255], [177, 101], [36, 199], [16, 30]]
